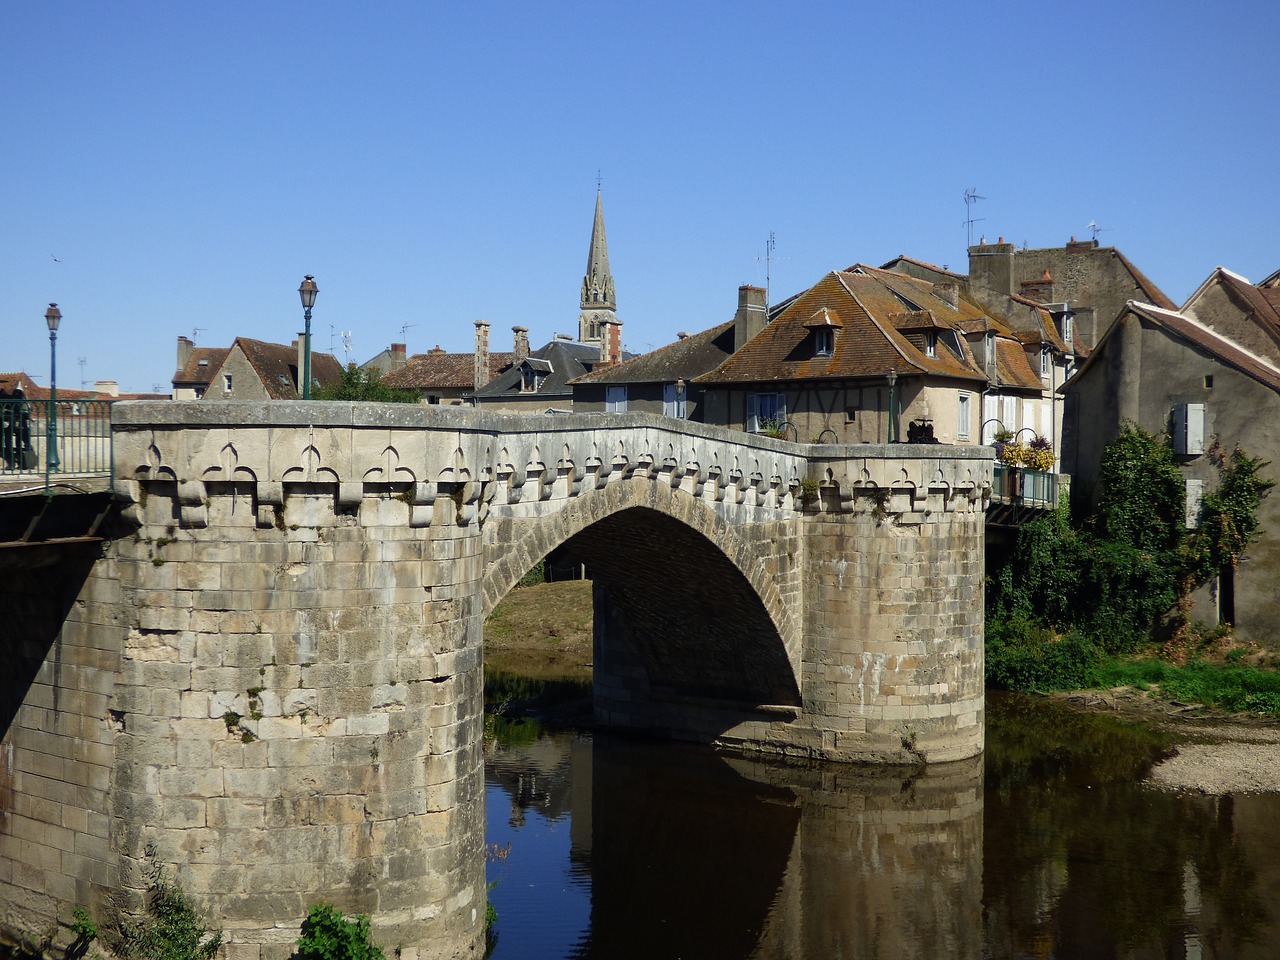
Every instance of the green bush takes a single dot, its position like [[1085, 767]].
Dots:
[[328, 935], [1023, 655]]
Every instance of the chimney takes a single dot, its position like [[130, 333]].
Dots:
[[947, 292], [107, 388], [480, 371], [521, 348], [301, 345], [398, 352], [610, 341], [185, 347], [751, 317]]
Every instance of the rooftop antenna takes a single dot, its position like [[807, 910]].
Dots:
[[195, 334], [1092, 225], [769, 247], [404, 331], [82, 361], [970, 198], [346, 345]]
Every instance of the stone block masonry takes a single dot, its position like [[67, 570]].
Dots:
[[274, 673]]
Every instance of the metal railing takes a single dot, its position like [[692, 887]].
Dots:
[[1029, 488], [55, 441]]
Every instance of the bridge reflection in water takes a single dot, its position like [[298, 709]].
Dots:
[[677, 851], [1052, 845]]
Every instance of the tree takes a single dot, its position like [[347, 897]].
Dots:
[[366, 385]]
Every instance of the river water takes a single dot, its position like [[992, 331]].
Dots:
[[1050, 845]]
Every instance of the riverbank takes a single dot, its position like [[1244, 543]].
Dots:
[[1215, 753]]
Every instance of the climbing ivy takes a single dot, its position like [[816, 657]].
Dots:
[[1128, 570]]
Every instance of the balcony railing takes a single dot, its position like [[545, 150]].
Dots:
[[54, 442], [1036, 489]]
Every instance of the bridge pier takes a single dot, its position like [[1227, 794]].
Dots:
[[278, 675]]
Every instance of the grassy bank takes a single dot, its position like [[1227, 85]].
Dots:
[[1215, 673]]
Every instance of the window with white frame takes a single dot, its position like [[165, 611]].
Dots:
[[931, 344], [964, 416], [1044, 361], [673, 401], [766, 412], [226, 383], [615, 399]]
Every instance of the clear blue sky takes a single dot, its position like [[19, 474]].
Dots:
[[433, 164]]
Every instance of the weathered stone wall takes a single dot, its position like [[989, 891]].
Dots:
[[286, 676], [57, 756]]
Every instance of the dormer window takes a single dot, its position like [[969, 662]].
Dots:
[[824, 342], [823, 326], [1067, 331], [931, 344], [1044, 361]]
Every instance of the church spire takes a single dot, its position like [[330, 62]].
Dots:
[[598, 303]]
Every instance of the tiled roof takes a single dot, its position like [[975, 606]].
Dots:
[[441, 370], [33, 391], [195, 373], [687, 358], [567, 358], [1192, 331], [925, 264], [275, 364], [1013, 369], [866, 299]]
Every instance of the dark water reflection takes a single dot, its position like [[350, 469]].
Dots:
[[1049, 846]]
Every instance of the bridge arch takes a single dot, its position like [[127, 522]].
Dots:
[[700, 603]]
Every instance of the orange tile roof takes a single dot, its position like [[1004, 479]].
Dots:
[[866, 300], [444, 371]]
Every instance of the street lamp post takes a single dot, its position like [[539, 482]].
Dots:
[[52, 316], [893, 407], [307, 292]]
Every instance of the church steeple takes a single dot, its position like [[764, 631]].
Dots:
[[598, 304]]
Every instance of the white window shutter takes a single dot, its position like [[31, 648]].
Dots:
[[753, 413]]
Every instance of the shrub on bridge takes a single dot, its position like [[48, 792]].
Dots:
[[328, 935]]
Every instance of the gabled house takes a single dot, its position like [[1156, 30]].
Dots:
[[196, 366], [256, 370], [664, 381], [538, 381], [440, 377], [1249, 315], [1180, 372], [868, 355]]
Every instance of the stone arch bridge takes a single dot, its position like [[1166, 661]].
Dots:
[[272, 672]]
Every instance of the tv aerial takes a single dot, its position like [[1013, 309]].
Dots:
[[1093, 227], [346, 345], [970, 198]]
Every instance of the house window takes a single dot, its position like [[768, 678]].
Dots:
[[1208, 381], [1067, 326], [824, 342], [226, 383], [766, 412], [964, 416], [1188, 429], [673, 401], [433, 400], [615, 399], [1044, 361], [199, 392], [931, 344]]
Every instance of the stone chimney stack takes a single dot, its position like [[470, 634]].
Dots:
[[751, 317], [480, 376], [185, 347], [398, 355], [106, 388], [610, 341], [521, 347]]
